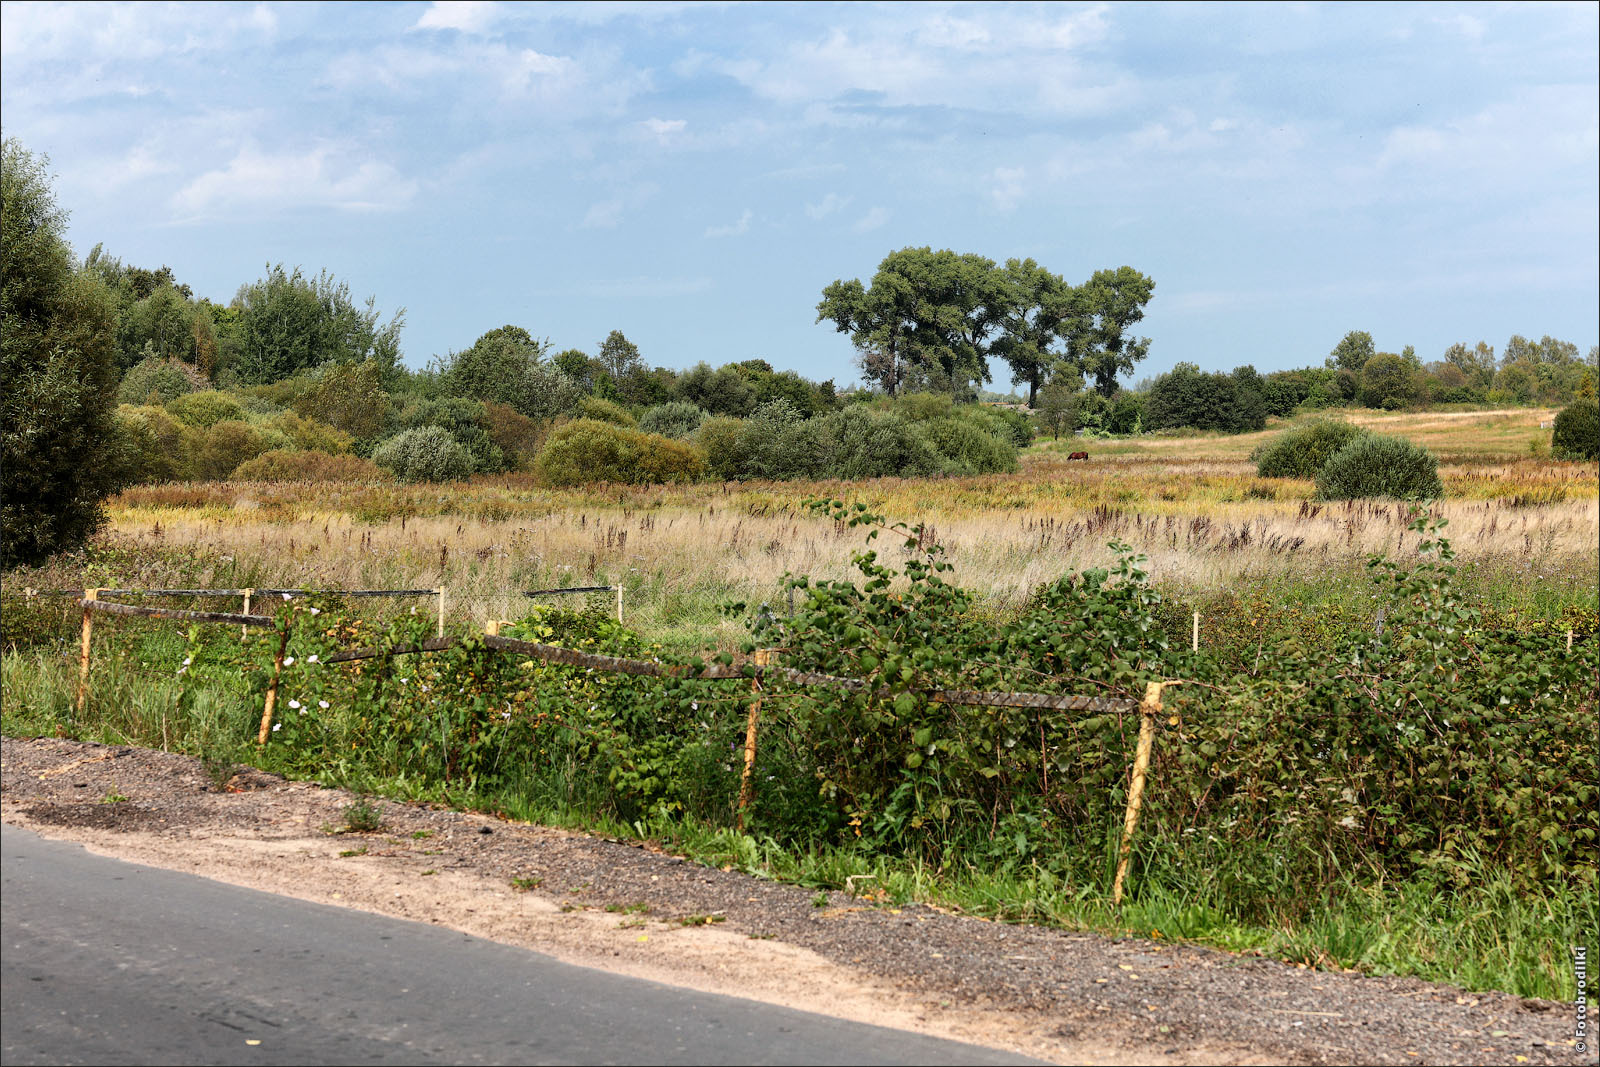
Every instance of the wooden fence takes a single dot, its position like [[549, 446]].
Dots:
[[1149, 709]]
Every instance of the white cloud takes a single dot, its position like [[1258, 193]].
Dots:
[[1007, 188], [871, 220], [257, 181], [604, 215], [733, 229], [465, 16], [1466, 25], [663, 129], [827, 206]]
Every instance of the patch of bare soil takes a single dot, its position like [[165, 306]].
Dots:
[[615, 905]]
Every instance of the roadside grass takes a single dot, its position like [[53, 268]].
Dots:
[[1480, 933]]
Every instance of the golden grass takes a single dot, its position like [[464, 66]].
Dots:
[[1193, 505]]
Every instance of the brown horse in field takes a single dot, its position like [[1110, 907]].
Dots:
[[1079, 455]]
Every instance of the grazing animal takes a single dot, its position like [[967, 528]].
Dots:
[[1079, 455]]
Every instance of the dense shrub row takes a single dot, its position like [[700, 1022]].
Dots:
[[1349, 462]]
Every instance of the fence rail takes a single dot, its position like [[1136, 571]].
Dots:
[[761, 670]]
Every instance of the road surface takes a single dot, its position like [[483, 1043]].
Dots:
[[109, 962]]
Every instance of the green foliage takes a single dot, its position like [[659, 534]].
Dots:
[[311, 466], [349, 397], [1187, 397], [153, 380], [506, 366], [721, 392], [214, 452], [466, 421], [592, 407], [1380, 465], [57, 359], [585, 450], [1577, 432], [861, 443], [362, 817], [425, 454], [675, 419], [1386, 382], [152, 446], [968, 447], [205, 409], [517, 436], [1352, 352], [309, 433], [1302, 451], [290, 323]]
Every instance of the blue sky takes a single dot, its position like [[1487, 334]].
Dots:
[[693, 175]]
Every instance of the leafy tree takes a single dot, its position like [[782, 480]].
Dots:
[[349, 397], [877, 320], [464, 420], [1386, 382], [619, 357], [1476, 364], [289, 323], [1249, 411], [1033, 323], [1103, 309], [1186, 396], [675, 419], [58, 361], [722, 392], [506, 365], [152, 377], [1352, 352], [425, 454], [1519, 380]]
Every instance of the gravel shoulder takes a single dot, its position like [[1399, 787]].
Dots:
[[1060, 996]]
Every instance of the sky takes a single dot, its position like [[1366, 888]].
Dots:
[[694, 175]]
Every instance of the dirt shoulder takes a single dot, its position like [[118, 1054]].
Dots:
[[1056, 995]]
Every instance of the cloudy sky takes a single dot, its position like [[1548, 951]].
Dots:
[[695, 174]]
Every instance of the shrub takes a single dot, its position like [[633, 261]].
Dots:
[[464, 420], [967, 448], [1577, 432], [517, 436], [349, 396], [218, 449], [780, 445], [1379, 465], [155, 381], [154, 446], [280, 465], [309, 434], [1301, 452], [586, 450], [673, 419], [425, 454], [861, 443], [593, 407], [206, 409], [719, 437]]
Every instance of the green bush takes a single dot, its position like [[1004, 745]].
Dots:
[[1577, 432], [593, 407], [464, 420], [967, 448], [1303, 450], [720, 438], [280, 465], [586, 450], [156, 381], [673, 419], [216, 450], [206, 409], [861, 443], [1379, 465], [309, 434], [425, 454], [517, 436], [154, 445]]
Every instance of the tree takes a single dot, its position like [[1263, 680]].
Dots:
[[1352, 352], [1032, 326], [57, 358], [289, 323], [877, 320], [619, 357], [1055, 408], [1386, 382], [1186, 396], [1099, 315], [349, 397], [506, 365]]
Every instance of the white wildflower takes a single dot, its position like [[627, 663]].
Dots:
[[288, 661], [316, 611], [294, 703], [277, 726], [312, 658], [323, 704], [188, 660]]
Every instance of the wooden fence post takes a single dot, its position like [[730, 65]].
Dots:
[[1194, 644], [245, 630], [747, 782], [1569, 640], [89, 596], [619, 603], [440, 591], [272, 686], [1149, 709]]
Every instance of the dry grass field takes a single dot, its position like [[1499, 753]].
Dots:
[[1192, 504]]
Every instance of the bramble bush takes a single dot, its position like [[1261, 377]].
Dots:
[[1577, 432], [310, 466]]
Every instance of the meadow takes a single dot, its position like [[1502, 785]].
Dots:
[[1434, 829]]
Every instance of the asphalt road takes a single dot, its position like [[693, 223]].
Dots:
[[109, 962]]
